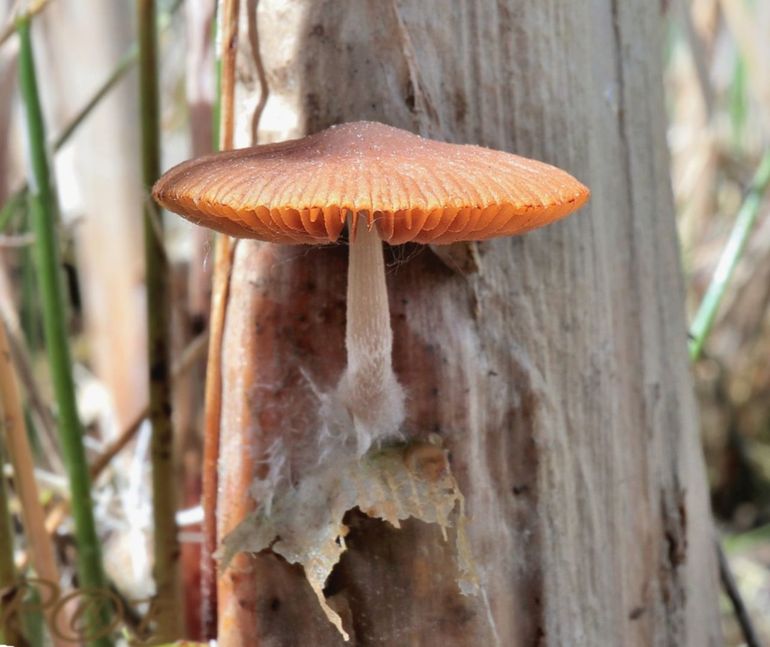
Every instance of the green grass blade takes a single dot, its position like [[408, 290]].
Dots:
[[42, 206], [744, 223]]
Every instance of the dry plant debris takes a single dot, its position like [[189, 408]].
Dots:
[[304, 523]]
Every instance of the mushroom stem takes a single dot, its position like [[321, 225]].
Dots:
[[369, 387]]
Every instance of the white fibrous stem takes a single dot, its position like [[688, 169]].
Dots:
[[369, 388]]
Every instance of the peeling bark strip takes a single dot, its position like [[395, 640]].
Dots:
[[556, 374]]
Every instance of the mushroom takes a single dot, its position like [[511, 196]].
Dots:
[[388, 185]]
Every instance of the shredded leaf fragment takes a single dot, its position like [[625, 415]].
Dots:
[[304, 523]]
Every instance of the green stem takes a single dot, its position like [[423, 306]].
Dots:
[[42, 209], [166, 570], [744, 223]]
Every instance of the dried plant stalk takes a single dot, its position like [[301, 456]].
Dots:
[[16, 440], [164, 496], [228, 29]]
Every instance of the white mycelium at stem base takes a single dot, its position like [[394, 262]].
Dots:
[[369, 388]]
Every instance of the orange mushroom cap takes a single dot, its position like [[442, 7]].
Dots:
[[413, 189]]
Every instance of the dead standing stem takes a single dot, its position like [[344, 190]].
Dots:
[[227, 26], [164, 496]]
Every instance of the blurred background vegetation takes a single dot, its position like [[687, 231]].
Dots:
[[717, 76]]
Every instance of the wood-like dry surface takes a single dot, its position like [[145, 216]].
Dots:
[[556, 372]]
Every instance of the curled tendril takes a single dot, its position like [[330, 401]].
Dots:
[[88, 604], [15, 601]]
